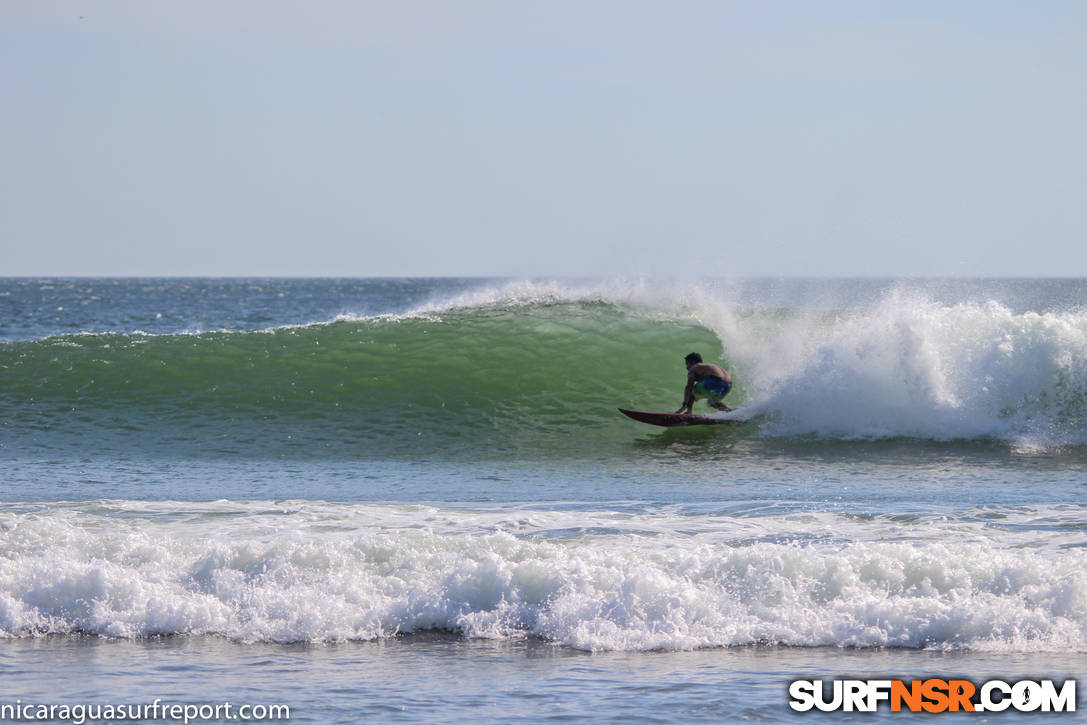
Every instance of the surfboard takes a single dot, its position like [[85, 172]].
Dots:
[[668, 420]]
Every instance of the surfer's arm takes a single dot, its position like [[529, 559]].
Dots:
[[688, 396]]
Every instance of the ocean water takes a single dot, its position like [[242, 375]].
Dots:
[[413, 500]]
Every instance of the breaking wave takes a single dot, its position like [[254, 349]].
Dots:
[[524, 368], [310, 571]]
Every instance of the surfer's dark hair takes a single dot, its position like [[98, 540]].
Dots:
[[693, 358]]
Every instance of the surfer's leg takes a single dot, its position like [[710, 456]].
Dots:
[[715, 389]]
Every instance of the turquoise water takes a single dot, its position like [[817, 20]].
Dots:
[[416, 501]]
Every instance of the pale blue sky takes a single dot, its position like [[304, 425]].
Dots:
[[551, 138]]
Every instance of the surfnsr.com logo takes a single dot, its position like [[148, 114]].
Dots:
[[932, 695]]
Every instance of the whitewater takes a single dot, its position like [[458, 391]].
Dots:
[[594, 580], [415, 500]]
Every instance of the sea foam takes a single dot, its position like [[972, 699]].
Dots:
[[912, 367], [325, 573]]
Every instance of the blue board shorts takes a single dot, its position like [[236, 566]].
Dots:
[[713, 389]]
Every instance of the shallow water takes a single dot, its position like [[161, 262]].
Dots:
[[491, 680]]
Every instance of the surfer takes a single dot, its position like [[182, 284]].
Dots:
[[705, 380]]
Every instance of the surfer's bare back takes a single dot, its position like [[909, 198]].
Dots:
[[705, 380]]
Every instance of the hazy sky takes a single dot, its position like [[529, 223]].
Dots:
[[754, 138]]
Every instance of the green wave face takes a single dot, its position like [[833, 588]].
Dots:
[[532, 379]]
